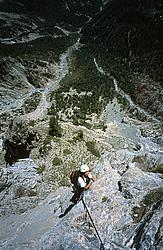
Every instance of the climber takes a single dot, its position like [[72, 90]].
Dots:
[[82, 181]]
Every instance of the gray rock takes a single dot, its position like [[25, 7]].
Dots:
[[19, 187]]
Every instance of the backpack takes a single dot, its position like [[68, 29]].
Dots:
[[74, 177]]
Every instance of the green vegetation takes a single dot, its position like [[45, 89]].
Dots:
[[32, 102], [19, 192], [79, 136], [66, 151], [89, 85], [54, 127], [42, 48], [100, 125], [40, 169], [47, 145], [139, 159], [117, 68], [150, 199], [104, 199], [158, 169], [138, 212], [32, 193], [63, 181], [57, 139], [52, 110], [57, 161], [32, 123], [153, 197], [61, 173], [91, 146]]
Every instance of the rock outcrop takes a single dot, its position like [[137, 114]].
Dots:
[[64, 104]]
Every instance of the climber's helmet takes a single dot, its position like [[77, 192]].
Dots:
[[84, 168]]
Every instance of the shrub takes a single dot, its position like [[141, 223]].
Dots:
[[79, 136], [46, 145], [57, 161], [40, 169], [91, 146], [66, 151], [54, 127]]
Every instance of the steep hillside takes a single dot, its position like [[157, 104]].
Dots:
[[126, 38], [67, 11], [130, 31]]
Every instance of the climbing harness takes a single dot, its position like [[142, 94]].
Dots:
[[101, 242]]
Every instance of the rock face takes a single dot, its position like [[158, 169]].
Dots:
[[126, 219], [18, 146], [19, 187], [62, 106]]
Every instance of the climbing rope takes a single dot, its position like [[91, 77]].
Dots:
[[101, 242]]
